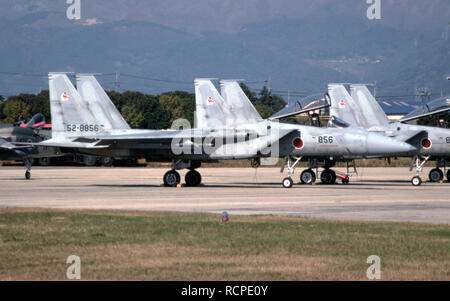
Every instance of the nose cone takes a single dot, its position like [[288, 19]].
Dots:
[[380, 145]]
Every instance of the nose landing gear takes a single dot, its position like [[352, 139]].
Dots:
[[416, 180], [27, 163]]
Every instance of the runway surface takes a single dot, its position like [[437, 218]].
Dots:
[[376, 194]]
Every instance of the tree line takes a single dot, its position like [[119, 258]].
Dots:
[[145, 111], [148, 111]]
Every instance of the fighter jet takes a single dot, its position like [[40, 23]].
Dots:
[[322, 146], [91, 125], [14, 138], [361, 109]]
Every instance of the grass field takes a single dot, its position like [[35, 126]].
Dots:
[[34, 245]]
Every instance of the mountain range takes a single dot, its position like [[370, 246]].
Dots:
[[299, 46]]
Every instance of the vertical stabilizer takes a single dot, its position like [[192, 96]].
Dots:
[[238, 103], [344, 107], [211, 109], [99, 102], [70, 114], [369, 106]]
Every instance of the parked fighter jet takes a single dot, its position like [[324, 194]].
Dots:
[[361, 109], [326, 153], [13, 138], [97, 129]]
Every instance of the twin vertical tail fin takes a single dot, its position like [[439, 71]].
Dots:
[[211, 109], [370, 108], [100, 104], [85, 113], [70, 114], [344, 106], [239, 105]]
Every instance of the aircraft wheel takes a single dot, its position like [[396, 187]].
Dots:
[[193, 178], [27, 175], [287, 182], [171, 178], [328, 177], [44, 161], [416, 181], [308, 176], [435, 175], [448, 175], [107, 161], [89, 160]]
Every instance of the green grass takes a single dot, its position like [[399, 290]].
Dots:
[[34, 244]]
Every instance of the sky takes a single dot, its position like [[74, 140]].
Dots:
[[252, 39], [232, 15]]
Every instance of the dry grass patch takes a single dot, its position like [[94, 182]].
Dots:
[[116, 245]]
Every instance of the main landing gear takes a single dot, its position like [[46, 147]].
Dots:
[[193, 178], [172, 178], [436, 175], [328, 176], [308, 176]]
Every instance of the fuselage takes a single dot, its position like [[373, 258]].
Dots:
[[439, 137], [262, 139]]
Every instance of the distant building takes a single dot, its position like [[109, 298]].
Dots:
[[396, 109]]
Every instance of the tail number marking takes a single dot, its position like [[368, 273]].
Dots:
[[84, 127]]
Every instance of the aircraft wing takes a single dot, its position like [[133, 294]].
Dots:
[[6, 144]]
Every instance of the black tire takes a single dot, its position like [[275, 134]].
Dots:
[[435, 175], [89, 160], [171, 178], [448, 175], [328, 177], [107, 161], [27, 175], [416, 181], [308, 176], [193, 178], [44, 161], [287, 182]]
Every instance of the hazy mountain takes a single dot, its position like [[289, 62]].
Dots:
[[298, 45]]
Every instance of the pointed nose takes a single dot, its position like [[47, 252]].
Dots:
[[378, 144]]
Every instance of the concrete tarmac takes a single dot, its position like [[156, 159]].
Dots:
[[376, 194]]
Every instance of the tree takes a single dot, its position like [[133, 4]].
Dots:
[[267, 104], [251, 95], [13, 108], [155, 116], [173, 104], [132, 116]]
